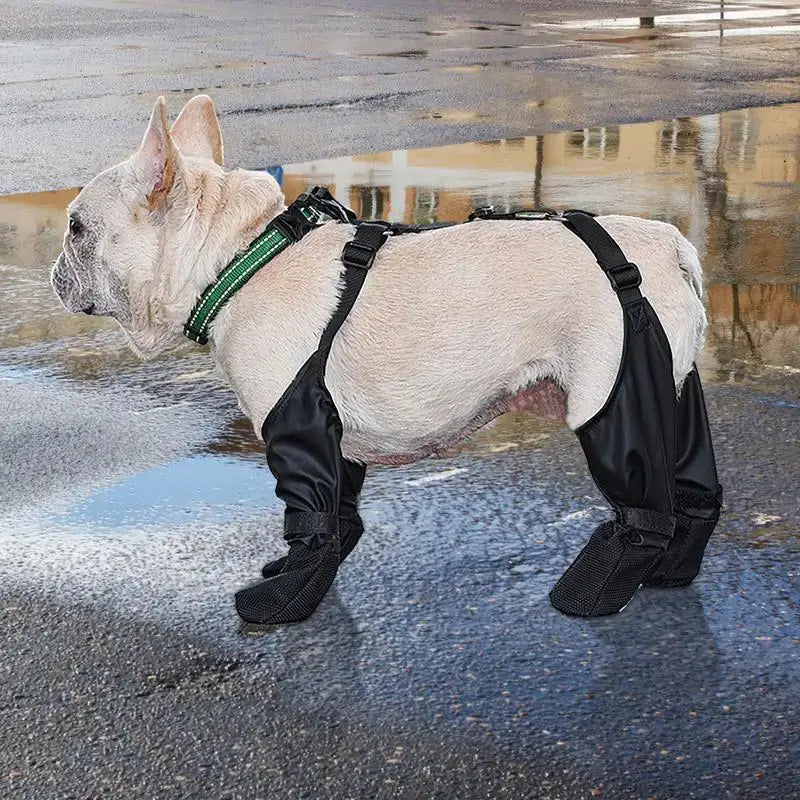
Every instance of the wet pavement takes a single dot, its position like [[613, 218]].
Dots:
[[135, 501], [302, 80]]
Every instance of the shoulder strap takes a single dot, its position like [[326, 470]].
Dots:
[[358, 256], [624, 276]]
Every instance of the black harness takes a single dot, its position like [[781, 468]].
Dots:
[[630, 447]]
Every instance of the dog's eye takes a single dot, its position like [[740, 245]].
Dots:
[[75, 226]]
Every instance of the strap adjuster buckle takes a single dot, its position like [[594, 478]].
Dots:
[[291, 225], [624, 276], [359, 255], [482, 212]]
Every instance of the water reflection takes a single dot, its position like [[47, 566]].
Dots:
[[729, 181]]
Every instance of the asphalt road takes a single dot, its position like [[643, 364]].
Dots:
[[302, 80], [435, 668], [133, 504]]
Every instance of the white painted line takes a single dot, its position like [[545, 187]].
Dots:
[[436, 476]]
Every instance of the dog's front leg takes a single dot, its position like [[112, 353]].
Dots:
[[303, 435], [351, 525]]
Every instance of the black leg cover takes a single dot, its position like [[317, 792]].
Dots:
[[630, 450], [303, 434], [350, 525], [698, 495]]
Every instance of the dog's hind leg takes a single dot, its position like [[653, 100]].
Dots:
[[630, 446], [350, 524], [698, 495]]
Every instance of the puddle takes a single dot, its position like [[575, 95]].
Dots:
[[729, 181], [201, 489]]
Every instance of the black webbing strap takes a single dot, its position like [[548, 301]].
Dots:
[[358, 256], [653, 528], [624, 276], [399, 228]]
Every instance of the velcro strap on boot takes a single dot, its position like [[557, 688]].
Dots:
[[698, 503], [311, 528], [649, 528]]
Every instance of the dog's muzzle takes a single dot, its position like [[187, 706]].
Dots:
[[68, 288]]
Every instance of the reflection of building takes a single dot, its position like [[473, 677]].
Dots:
[[31, 226], [760, 322], [730, 181]]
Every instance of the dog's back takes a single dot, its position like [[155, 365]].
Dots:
[[450, 322]]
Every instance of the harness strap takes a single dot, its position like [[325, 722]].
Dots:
[[358, 256], [624, 275]]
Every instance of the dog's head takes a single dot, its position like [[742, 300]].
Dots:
[[135, 231]]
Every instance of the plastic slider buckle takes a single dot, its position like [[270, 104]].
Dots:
[[359, 255], [624, 276], [321, 199], [484, 212], [291, 224]]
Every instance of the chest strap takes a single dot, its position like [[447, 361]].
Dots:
[[358, 256]]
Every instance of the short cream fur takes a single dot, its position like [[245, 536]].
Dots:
[[449, 325]]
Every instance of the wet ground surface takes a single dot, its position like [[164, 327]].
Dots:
[[302, 80], [135, 501]]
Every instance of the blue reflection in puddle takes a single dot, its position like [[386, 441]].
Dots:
[[207, 487]]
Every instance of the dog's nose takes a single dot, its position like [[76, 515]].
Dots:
[[88, 309]]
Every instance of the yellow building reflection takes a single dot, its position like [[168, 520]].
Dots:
[[729, 181]]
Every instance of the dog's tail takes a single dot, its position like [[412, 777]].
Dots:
[[689, 264]]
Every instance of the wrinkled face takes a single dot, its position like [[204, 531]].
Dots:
[[127, 227], [110, 242]]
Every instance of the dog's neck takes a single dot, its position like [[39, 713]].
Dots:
[[227, 211]]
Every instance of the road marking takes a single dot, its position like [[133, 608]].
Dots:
[[436, 476]]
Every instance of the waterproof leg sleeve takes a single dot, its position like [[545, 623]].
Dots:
[[630, 450], [303, 434], [698, 495], [350, 524]]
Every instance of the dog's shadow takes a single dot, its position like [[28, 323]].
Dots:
[[324, 649], [661, 653]]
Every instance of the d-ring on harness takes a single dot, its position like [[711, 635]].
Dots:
[[649, 453]]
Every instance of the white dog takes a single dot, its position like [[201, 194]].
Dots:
[[453, 327]]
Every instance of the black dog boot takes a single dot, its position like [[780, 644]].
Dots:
[[611, 567], [696, 515], [350, 531], [294, 593]]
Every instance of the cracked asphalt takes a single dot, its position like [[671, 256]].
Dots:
[[135, 501]]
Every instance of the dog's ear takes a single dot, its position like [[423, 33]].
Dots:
[[196, 132], [158, 159]]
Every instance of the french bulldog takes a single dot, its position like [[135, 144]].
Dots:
[[453, 327]]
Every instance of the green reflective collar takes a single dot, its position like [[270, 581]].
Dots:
[[306, 213]]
